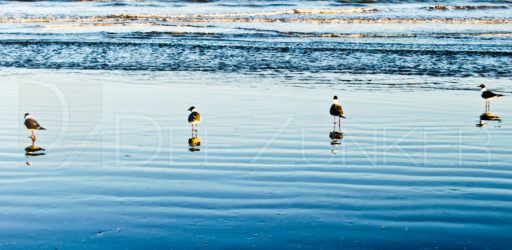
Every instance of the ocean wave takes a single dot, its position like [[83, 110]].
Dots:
[[183, 17], [297, 15], [212, 19], [293, 12], [183, 54], [252, 34], [445, 35], [100, 24], [256, 4], [466, 7], [131, 17], [278, 34], [415, 1]]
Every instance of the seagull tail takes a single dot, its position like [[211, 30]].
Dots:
[[41, 128], [342, 116], [500, 95]]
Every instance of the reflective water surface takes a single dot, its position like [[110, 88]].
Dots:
[[118, 171]]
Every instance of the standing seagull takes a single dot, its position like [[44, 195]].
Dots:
[[336, 110], [194, 117], [32, 125], [488, 96]]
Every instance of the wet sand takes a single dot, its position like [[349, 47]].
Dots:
[[412, 169]]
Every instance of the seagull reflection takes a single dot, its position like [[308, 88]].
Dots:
[[487, 117], [336, 136], [33, 150], [194, 143]]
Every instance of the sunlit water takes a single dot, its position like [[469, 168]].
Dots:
[[112, 82], [118, 172]]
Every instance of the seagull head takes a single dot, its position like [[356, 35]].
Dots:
[[27, 115], [335, 99], [481, 86], [191, 109]]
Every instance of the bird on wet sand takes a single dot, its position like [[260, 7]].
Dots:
[[336, 110], [194, 117], [32, 125], [488, 96]]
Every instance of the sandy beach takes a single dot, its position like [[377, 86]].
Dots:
[[418, 163], [265, 175]]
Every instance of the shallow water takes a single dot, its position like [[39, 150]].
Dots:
[[118, 171], [112, 82]]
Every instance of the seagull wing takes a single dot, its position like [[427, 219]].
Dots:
[[339, 110], [489, 94], [32, 124], [194, 116], [333, 110], [336, 110]]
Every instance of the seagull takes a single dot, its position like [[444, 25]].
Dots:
[[194, 117], [488, 95], [32, 125], [336, 110]]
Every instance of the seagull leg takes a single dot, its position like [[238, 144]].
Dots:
[[33, 137], [339, 124]]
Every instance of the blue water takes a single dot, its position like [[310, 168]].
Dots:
[[447, 38], [417, 166]]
